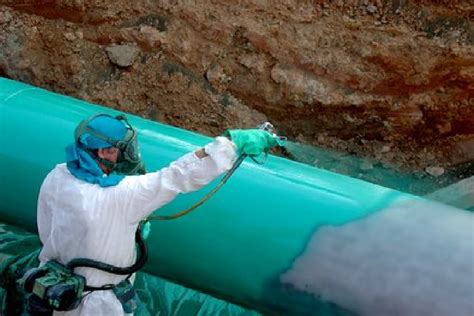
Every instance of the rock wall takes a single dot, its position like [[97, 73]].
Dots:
[[391, 80]]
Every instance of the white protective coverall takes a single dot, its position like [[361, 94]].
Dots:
[[77, 219]]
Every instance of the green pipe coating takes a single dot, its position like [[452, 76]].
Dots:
[[283, 238]]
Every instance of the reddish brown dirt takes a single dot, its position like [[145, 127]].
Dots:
[[391, 80]]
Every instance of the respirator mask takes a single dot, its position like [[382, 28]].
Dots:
[[129, 160]]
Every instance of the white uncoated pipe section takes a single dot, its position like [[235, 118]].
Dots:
[[393, 262]]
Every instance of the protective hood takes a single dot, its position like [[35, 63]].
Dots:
[[79, 158], [81, 165], [110, 128]]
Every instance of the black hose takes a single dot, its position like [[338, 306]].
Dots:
[[90, 263]]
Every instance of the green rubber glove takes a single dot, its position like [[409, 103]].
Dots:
[[252, 142]]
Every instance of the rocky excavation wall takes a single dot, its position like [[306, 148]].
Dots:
[[391, 80]]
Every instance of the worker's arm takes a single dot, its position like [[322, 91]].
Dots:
[[141, 195]]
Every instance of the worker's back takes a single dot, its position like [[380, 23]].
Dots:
[[88, 222]]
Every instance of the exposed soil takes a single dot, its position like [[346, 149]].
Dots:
[[388, 80]]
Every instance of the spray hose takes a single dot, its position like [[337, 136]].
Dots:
[[267, 126], [205, 198]]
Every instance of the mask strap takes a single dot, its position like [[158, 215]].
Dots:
[[84, 128], [109, 164]]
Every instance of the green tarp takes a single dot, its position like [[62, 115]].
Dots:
[[19, 250]]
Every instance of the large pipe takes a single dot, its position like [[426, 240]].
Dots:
[[283, 238]]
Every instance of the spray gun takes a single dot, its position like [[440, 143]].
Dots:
[[281, 140], [268, 127]]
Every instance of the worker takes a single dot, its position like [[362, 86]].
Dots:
[[91, 206]]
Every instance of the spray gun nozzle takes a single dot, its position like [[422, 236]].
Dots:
[[267, 126]]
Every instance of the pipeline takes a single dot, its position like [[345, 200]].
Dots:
[[283, 238]]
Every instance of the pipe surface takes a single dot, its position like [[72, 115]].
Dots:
[[284, 238]]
